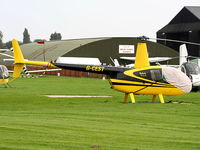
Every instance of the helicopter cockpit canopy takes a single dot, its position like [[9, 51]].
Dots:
[[3, 72], [190, 68]]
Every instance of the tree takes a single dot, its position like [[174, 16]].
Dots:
[[9, 44], [55, 36], [26, 37], [1, 40]]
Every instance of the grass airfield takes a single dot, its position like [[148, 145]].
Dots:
[[30, 121]]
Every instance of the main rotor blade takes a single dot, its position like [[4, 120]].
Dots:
[[177, 41]]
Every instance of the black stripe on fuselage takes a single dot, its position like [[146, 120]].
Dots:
[[151, 85]]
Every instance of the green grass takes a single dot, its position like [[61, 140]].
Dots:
[[30, 121]]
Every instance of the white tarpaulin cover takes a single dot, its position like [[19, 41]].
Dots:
[[177, 78]]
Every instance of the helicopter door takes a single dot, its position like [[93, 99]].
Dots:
[[190, 68]]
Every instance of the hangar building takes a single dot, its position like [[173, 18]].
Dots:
[[103, 48], [185, 26]]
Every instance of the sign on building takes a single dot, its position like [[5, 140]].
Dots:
[[126, 49]]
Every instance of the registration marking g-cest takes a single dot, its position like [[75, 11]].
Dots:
[[94, 68]]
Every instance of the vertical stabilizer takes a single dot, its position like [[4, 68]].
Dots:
[[183, 54], [142, 58], [18, 59]]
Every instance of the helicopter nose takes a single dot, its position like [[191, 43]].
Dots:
[[177, 78]]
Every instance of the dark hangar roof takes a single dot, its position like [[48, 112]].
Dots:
[[195, 10], [188, 19]]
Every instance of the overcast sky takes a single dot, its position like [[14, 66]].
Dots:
[[87, 18]]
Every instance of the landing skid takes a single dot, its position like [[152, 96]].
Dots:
[[7, 85], [132, 97]]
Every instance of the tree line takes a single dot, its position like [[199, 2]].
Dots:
[[26, 39]]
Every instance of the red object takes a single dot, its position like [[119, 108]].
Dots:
[[40, 42]]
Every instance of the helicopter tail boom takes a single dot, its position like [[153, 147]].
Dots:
[[19, 60]]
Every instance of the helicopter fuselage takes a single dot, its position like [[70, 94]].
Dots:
[[146, 81]]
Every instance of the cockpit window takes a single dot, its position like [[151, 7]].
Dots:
[[191, 68], [156, 75], [151, 74]]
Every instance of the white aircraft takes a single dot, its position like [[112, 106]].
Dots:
[[191, 69]]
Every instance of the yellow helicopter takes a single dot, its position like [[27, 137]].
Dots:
[[142, 79], [4, 75]]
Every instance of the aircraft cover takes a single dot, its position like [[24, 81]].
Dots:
[[177, 78]]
